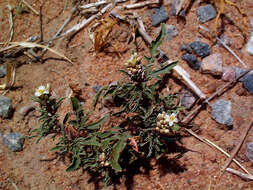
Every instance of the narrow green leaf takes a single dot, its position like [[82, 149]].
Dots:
[[96, 125], [76, 162], [75, 103], [165, 69]]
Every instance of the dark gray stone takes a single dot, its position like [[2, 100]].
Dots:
[[187, 99], [186, 47], [238, 72], [160, 15], [221, 112], [206, 13], [171, 31], [96, 88], [200, 48], [192, 61], [2, 71], [249, 151], [248, 82], [5, 107], [14, 141]]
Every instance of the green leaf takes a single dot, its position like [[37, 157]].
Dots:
[[65, 118], [57, 147], [76, 162], [164, 69], [96, 125], [73, 123], [155, 44], [91, 142], [75, 103], [97, 97]]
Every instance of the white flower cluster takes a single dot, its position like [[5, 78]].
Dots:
[[133, 63], [42, 90], [164, 121], [102, 160]]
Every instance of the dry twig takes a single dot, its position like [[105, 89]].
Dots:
[[242, 175], [139, 5], [30, 7], [224, 45], [238, 146], [208, 142]]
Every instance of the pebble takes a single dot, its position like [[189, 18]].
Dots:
[[248, 82], [212, 65], [2, 71], [192, 61], [225, 39], [96, 88], [238, 71], [200, 48], [187, 99], [249, 45], [228, 74], [249, 151], [186, 47], [221, 112], [160, 15], [206, 13], [14, 141], [171, 31], [5, 107]]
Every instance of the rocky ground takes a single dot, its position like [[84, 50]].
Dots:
[[192, 164]]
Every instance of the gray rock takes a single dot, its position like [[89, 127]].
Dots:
[[187, 99], [239, 71], [206, 13], [5, 107], [221, 112], [171, 31], [186, 47], [225, 39], [212, 65], [160, 15], [249, 45], [247, 81], [200, 48], [228, 74], [192, 61], [14, 141], [96, 88], [249, 151], [2, 71]]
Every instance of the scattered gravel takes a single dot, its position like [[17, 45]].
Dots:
[[2, 71], [192, 61], [171, 31], [206, 13], [248, 82], [228, 74], [5, 107], [160, 15], [14, 141], [212, 65], [187, 99], [200, 48], [186, 47], [221, 112]]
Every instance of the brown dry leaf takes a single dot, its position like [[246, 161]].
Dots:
[[9, 75], [101, 33]]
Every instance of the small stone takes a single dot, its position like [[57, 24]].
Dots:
[[5, 107], [248, 82], [249, 45], [239, 71], [200, 48], [212, 65], [1, 134], [249, 151], [192, 61], [171, 31], [96, 88], [186, 47], [2, 71], [221, 112], [187, 99], [206, 13], [226, 40], [228, 74], [160, 15], [14, 141]]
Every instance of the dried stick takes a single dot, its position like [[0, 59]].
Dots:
[[242, 175], [30, 7], [208, 142], [238, 146], [177, 68], [139, 5], [96, 4], [224, 45], [188, 118]]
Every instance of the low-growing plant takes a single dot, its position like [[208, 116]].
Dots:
[[151, 121]]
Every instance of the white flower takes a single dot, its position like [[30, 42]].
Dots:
[[171, 119], [41, 90]]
